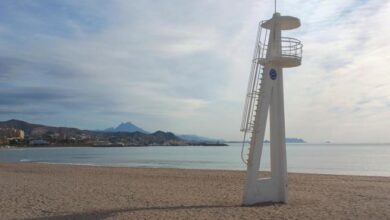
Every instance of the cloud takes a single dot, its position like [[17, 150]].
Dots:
[[16, 111], [183, 66], [31, 95], [341, 68]]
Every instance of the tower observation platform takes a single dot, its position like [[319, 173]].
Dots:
[[290, 54]]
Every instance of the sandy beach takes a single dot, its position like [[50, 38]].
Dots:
[[39, 191]]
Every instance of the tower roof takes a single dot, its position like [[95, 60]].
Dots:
[[284, 22]]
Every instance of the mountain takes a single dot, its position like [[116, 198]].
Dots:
[[37, 129], [125, 134], [126, 127], [63, 136], [196, 138]]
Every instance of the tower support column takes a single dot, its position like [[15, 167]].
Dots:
[[277, 138]]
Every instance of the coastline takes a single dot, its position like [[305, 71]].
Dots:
[[200, 144], [43, 191]]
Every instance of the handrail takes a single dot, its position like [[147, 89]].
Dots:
[[253, 84], [253, 88], [291, 47]]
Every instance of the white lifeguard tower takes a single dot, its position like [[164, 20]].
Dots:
[[265, 93]]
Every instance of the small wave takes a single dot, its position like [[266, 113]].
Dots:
[[25, 160], [69, 163]]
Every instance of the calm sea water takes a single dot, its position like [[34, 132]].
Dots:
[[352, 159]]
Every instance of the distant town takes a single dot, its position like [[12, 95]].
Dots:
[[18, 133]]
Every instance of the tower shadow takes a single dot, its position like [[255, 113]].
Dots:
[[103, 214]]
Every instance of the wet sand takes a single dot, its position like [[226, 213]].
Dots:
[[40, 191]]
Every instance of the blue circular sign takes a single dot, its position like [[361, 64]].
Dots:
[[273, 74]]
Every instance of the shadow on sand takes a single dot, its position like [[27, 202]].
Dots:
[[102, 214]]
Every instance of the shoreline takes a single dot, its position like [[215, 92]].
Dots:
[[178, 168], [196, 157], [114, 145], [47, 191]]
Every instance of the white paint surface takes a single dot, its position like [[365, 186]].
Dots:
[[280, 53]]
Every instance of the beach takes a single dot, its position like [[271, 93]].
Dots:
[[46, 191]]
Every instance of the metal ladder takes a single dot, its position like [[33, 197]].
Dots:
[[254, 92]]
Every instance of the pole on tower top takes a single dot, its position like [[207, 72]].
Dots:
[[275, 6]]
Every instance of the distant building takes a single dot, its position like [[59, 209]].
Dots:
[[19, 134], [11, 133]]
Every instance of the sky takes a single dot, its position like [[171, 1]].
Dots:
[[183, 66]]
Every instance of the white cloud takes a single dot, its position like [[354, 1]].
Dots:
[[342, 67], [184, 66]]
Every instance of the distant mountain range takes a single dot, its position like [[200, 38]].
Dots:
[[64, 136], [130, 127], [37, 129], [125, 134], [126, 127]]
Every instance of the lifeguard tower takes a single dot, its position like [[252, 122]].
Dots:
[[265, 94]]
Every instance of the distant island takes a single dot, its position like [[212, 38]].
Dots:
[[291, 141], [23, 134], [288, 140]]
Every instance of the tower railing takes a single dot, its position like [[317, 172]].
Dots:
[[291, 47], [254, 87], [253, 92]]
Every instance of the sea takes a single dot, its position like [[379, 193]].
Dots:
[[340, 159]]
